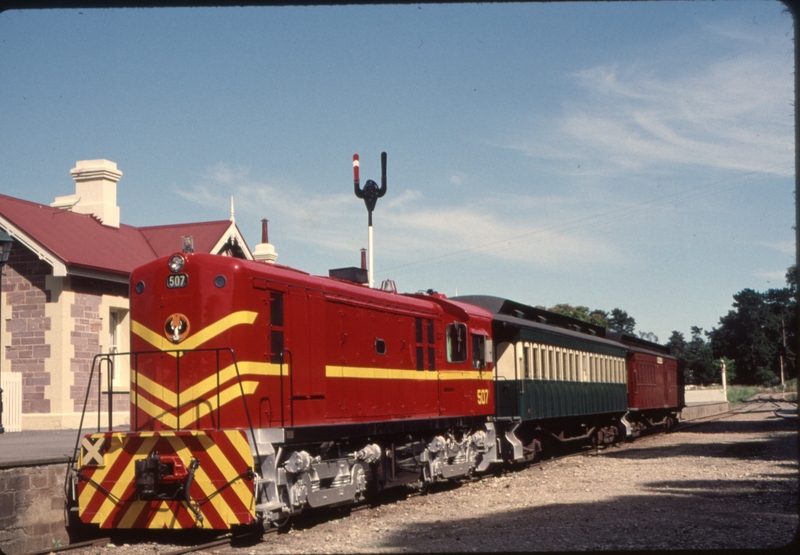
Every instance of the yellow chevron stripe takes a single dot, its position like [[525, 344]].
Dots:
[[164, 518], [239, 487], [209, 384], [200, 477], [207, 406], [397, 374], [160, 342], [132, 513], [125, 479]]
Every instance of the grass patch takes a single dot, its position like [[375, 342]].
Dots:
[[737, 394]]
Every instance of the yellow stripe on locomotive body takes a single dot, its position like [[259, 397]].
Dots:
[[400, 374], [221, 487], [211, 331]]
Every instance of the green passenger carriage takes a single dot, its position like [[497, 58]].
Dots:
[[556, 378]]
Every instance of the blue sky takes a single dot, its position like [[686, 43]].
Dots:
[[613, 155]]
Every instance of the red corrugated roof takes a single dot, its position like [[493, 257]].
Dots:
[[80, 240]]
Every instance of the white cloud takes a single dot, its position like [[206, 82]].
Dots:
[[734, 114], [785, 247], [411, 230]]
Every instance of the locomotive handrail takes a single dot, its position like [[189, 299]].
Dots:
[[291, 388], [179, 353]]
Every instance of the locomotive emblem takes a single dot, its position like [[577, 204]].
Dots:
[[177, 327]]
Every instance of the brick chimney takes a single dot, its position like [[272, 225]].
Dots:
[[95, 191]]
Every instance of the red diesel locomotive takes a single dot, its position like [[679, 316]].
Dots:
[[258, 391]]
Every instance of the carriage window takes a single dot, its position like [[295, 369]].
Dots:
[[478, 351], [456, 342], [380, 346]]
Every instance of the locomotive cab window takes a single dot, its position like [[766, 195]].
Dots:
[[478, 351], [456, 342]]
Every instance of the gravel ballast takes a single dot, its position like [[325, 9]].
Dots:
[[727, 483]]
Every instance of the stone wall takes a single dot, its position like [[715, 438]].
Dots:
[[26, 325], [32, 508], [85, 338]]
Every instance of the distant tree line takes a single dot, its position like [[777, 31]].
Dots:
[[616, 320], [754, 340]]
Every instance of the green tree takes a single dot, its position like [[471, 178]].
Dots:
[[697, 356], [619, 320], [648, 336], [583, 313], [758, 333]]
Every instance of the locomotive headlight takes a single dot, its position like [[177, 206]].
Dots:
[[176, 263]]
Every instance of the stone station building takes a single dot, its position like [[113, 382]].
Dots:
[[64, 295]]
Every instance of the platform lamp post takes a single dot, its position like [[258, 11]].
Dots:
[[371, 193], [5, 249]]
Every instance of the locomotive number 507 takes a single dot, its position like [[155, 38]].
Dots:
[[483, 396], [175, 281]]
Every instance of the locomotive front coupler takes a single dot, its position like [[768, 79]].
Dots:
[[163, 477]]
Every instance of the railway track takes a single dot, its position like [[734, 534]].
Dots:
[[310, 520]]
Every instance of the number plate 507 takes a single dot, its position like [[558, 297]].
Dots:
[[176, 281]]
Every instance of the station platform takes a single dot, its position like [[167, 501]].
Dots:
[[37, 447]]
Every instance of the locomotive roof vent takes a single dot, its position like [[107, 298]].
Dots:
[[356, 275]]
